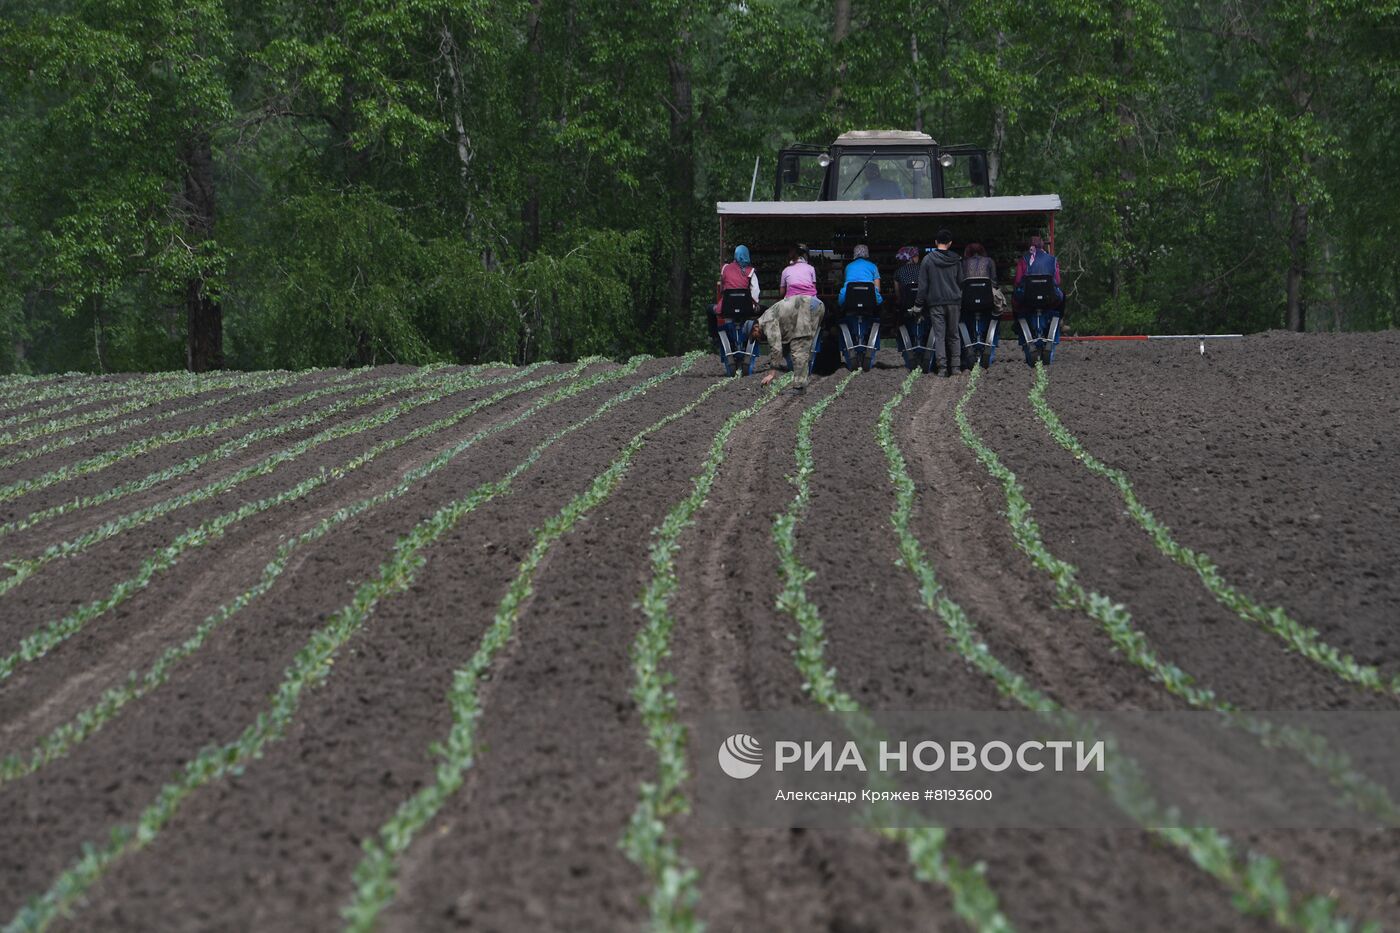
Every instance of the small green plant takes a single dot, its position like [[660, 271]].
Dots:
[[673, 895], [1257, 882], [308, 670], [1297, 637], [374, 877], [43, 640], [23, 568], [973, 898]]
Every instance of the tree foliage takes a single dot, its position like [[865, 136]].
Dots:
[[411, 180]]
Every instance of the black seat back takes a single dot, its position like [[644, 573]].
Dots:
[[736, 304], [977, 297], [860, 299], [1038, 292]]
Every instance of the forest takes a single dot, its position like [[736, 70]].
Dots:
[[255, 184]]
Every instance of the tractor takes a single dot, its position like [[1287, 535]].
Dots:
[[885, 189]]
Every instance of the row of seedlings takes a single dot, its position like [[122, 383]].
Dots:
[[1256, 881], [308, 670], [88, 721], [386, 386], [23, 568], [1357, 789], [1299, 638], [647, 841], [375, 878], [255, 387], [44, 639], [224, 451], [973, 898], [19, 430]]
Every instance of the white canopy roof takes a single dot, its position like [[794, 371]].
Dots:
[[905, 207], [883, 138]]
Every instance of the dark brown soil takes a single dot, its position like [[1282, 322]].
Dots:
[[732, 650], [1277, 456], [1082, 520]]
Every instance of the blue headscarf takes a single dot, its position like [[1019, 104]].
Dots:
[[741, 256]]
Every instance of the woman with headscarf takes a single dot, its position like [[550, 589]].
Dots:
[[982, 306], [731, 331], [1038, 302], [738, 273], [859, 331]]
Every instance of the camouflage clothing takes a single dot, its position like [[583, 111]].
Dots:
[[793, 321]]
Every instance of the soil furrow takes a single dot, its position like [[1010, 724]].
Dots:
[[1083, 521], [349, 752], [1099, 880], [1354, 895], [60, 476], [534, 833], [732, 650], [210, 697], [148, 543], [1278, 455], [192, 585]]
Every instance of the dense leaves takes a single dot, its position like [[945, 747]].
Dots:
[[263, 183]]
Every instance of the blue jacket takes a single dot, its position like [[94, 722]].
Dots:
[[860, 270]]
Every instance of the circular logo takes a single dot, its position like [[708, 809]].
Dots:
[[741, 756]]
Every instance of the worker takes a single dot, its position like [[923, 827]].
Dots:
[[913, 323], [861, 269], [878, 187], [738, 273], [1038, 310], [940, 292], [731, 335], [979, 318], [857, 328], [798, 278], [794, 321]]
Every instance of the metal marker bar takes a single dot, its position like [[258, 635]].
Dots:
[[1158, 337]]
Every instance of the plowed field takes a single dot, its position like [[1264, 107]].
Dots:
[[415, 649]]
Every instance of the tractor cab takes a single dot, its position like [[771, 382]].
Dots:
[[874, 165], [884, 190]]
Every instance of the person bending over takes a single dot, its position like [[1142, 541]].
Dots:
[[794, 321]]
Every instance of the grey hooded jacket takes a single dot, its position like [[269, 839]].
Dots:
[[940, 278]]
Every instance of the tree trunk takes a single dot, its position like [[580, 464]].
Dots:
[[682, 191], [465, 152], [1297, 265], [530, 209], [840, 29], [204, 319], [998, 131], [1127, 132], [97, 333], [914, 70]]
